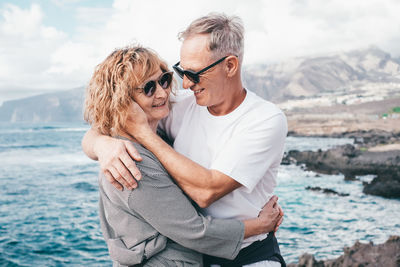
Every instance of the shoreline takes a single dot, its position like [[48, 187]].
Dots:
[[360, 254], [340, 118], [373, 153]]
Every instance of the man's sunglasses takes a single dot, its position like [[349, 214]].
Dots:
[[164, 81], [192, 75]]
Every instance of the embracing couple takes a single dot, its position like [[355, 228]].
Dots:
[[199, 166]]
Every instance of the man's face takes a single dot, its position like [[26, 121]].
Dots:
[[195, 56]]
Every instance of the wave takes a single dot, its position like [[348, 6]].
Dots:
[[28, 129], [82, 129], [84, 186], [45, 128], [11, 147], [40, 157]]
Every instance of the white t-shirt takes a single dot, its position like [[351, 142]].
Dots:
[[246, 145]]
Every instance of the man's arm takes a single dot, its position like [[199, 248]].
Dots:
[[163, 205], [116, 158], [264, 148], [202, 185]]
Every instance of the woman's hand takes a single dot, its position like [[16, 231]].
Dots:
[[268, 220], [271, 215]]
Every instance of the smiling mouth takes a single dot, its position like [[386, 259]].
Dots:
[[160, 105], [196, 92]]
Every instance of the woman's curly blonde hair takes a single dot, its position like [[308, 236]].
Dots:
[[110, 91]]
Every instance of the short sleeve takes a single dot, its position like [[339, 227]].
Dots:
[[252, 150]]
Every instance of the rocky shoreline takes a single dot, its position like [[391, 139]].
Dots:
[[386, 254], [374, 152]]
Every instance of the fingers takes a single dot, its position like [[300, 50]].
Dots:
[[132, 152], [120, 178], [280, 220], [281, 210], [125, 175], [280, 216], [135, 107], [271, 202], [114, 182], [271, 215], [278, 223], [118, 166], [130, 170]]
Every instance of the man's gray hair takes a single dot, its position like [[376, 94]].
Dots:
[[226, 34]]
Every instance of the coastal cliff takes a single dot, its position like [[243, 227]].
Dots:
[[374, 153]]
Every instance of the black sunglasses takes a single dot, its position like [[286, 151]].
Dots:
[[192, 75], [164, 81]]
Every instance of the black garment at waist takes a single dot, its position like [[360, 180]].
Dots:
[[267, 249]]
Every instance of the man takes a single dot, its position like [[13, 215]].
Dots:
[[228, 142]]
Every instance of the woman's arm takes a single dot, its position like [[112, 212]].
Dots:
[[163, 205]]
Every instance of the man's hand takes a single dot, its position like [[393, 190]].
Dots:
[[271, 215], [115, 158], [137, 122]]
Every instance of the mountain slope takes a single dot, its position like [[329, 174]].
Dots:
[[353, 77], [63, 106], [315, 76]]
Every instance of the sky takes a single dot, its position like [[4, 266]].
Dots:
[[48, 45]]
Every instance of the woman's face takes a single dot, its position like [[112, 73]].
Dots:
[[156, 106]]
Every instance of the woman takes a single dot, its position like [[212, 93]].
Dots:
[[155, 224]]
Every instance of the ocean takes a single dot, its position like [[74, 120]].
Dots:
[[49, 194]]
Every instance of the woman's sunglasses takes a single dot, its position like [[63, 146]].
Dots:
[[193, 75], [164, 81]]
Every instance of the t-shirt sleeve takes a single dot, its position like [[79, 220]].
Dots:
[[162, 204], [250, 152]]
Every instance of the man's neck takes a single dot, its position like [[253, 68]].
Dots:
[[230, 103]]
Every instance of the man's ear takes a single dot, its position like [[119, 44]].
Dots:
[[232, 66]]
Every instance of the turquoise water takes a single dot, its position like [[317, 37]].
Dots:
[[48, 202]]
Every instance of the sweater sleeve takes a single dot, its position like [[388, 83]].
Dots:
[[164, 206]]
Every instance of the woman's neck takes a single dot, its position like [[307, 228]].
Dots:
[[153, 125]]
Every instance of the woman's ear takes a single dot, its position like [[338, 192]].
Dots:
[[232, 66]]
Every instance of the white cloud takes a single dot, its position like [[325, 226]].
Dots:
[[38, 56], [313, 27], [26, 44], [18, 22]]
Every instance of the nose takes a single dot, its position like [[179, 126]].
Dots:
[[161, 92], [186, 83]]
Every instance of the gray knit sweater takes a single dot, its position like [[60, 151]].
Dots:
[[156, 224]]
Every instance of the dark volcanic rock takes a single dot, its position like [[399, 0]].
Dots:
[[351, 161], [368, 138], [387, 255], [326, 191], [372, 137], [384, 185]]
